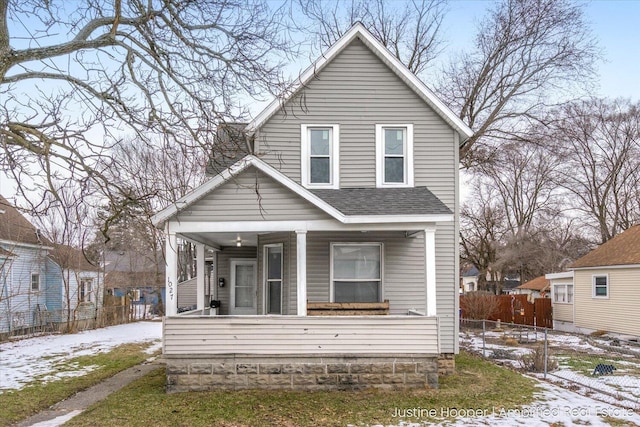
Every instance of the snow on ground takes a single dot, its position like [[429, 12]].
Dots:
[[553, 406], [21, 361]]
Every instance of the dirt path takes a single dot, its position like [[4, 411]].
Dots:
[[63, 411]]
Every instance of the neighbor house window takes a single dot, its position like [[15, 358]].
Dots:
[[356, 272], [85, 290], [35, 282], [394, 155], [273, 278], [320, 156], [563, 294], [601, 286]]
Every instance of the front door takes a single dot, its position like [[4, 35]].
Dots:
[[243, 287]]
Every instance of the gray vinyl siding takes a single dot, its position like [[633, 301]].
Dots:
[[287, 259], [208, 335], [446, 289], [404, 273], [251, 196], [357, 91], [224, 257]]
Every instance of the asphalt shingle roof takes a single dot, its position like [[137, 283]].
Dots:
[[623, 249], [384, 201], [540, 283], [16, 228]]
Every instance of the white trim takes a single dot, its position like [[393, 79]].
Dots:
[[331, 278], [273, 226], [409, 173], [566, 293], [359, 31], [26, 245], [33, 273], [607, 267], [265, 277], [251, 160], [334, 156], [171, 283], [430, 270], [301, 272], [562, 275], [233, 262], [593, 286], [200, 274]]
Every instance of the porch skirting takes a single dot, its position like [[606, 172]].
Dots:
[[300, 372]]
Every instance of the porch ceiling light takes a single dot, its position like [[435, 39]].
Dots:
[[238, 241]]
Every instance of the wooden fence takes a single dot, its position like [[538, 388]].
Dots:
[[517, 309]]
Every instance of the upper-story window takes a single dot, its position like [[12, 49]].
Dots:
[[320, 156], [394, 155], [35, 282]]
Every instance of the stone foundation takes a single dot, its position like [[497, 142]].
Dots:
[[446, 364], [301, 372]]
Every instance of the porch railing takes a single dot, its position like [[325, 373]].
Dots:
[[216, 335]]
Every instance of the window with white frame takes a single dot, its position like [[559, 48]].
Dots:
[[356, 272], [601, 286], [320, 156], [394, 155], [563, 293], [273, 278], [85, 290], [35, 282]]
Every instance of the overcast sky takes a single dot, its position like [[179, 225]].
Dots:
[[614, 23]]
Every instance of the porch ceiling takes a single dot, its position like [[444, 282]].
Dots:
[[217, 240]]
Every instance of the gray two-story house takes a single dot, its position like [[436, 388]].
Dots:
[[335, 238]]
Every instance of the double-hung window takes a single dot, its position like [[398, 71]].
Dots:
[[601, 286], [356, 272], [394, 155], [320, 156], [273, 278], [85, 290], [563, 293], [35, 282]]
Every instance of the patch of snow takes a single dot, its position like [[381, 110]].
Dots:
[[22, 361], [58, 421]]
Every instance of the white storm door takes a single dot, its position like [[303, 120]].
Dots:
[[243, 287]]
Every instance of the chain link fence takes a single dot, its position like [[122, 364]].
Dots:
[[600, 366]]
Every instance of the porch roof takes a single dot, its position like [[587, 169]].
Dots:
[[384, 201]]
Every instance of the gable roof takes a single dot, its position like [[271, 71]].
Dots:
[[359, 31], [324, 202], [540, 283], [69, 257], [384, 201], [623, 249], [15, 227]]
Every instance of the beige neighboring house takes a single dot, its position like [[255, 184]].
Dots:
[[536, 288], [343, 202], [606, 287]]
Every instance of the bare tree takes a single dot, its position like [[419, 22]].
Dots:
[[409, 29], [481, 233], [598, 141], [75, 77], [526, 54]]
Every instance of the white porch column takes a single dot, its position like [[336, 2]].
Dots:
[[200, 276], [301, 245], [430, 269], [171, 285]]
